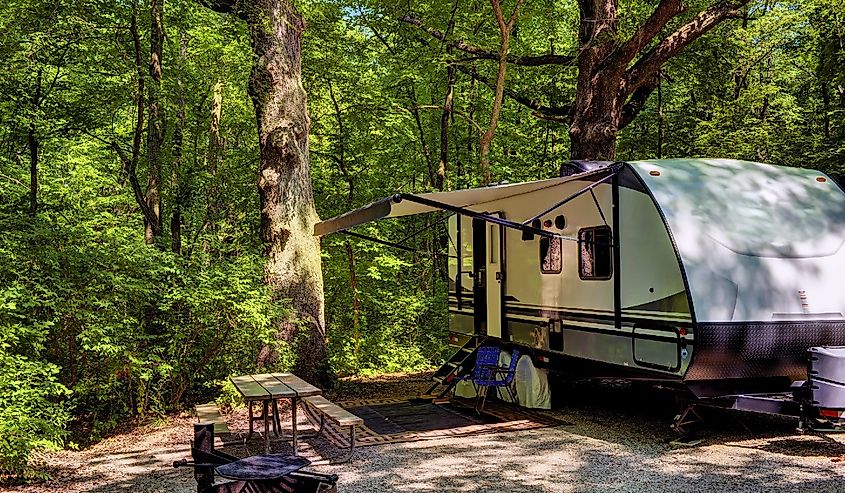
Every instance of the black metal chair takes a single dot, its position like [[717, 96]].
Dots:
[[270, 473]]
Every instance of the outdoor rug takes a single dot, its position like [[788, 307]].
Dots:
[[407, 420]]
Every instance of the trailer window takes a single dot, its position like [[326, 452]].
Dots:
[[551, 258], [595, 253]]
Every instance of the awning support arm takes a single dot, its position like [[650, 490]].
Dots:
[[589, 188], [598, 207], [423, 230], [478, 215], [394, 245]]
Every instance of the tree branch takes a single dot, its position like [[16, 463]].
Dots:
[[555, 113], [130, 164], [452, 110], [222, 6], [637, 102], [482, 54], [651, 62], [665, 11]]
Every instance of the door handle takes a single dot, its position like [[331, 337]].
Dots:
[[479, 278]]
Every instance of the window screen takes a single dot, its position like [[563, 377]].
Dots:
[[595, 253], [551, 255]]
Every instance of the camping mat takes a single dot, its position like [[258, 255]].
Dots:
[[406, 420]]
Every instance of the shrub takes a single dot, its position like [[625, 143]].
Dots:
[[31, 413]]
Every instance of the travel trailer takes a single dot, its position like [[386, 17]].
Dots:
[[714, 275]]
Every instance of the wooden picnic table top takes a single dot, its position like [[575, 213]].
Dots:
[[267, 386]]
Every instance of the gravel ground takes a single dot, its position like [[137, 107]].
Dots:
[[617, 441]]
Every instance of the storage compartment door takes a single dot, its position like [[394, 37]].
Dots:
[[657, 347]]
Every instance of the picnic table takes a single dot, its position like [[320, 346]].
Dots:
[[268, 388]]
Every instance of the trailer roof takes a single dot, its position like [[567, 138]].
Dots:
[[754, 239], [751, 208], [472, 198]]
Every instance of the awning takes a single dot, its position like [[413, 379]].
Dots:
[[402, 204]]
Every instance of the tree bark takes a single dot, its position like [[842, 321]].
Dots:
[[505, 28], [448, 102], [288, 215], [284, 184], [178, 138], [597, 112], [34, 144], [215, 152], [153, 225]]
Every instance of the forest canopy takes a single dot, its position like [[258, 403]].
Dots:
[[132, 257]]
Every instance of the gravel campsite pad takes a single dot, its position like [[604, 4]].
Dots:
[[617, 440]]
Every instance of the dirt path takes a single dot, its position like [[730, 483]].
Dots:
[[615, 443]]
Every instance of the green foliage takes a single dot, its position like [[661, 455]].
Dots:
[[135, 330], [96, 327], [30, 413], [229, 397]]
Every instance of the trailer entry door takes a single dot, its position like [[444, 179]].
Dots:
[[488, 285], [495, 278]]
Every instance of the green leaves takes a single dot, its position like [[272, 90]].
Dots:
[[30, 417], [131, 330]]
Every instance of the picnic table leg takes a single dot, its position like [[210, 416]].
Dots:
[[277, 426], [264, 407], [293, 422], [348, 456], [249, 405]]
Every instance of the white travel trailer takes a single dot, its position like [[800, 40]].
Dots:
[[716, 275]]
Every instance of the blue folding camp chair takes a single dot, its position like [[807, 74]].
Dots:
[[487, 373]]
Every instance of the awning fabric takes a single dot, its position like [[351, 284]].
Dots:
[[473, 198]]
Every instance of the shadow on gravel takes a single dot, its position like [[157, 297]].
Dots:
[[644, 412], [619, 442], [557, 460], [798, 446]]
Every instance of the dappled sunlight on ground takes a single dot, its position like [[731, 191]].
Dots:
[[563, 460], [618, 440]]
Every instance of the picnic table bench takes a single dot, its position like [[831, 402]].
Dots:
[[337, 414], [210, 414]]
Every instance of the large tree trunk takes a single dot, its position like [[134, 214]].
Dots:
[[597, 110], [284, 184], [152, 227], [595, 121]]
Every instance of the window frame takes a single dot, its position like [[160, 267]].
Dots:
[[581, 256]]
